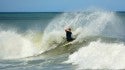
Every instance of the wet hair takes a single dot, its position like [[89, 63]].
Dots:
[[69, 28]]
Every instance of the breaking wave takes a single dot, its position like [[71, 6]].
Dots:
[[84, 25]]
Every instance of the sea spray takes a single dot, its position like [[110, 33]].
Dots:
[[52, 40], [82, 24]]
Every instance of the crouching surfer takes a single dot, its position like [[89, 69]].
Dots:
[[69, 34]]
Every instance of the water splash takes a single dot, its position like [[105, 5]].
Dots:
[[82, 23]]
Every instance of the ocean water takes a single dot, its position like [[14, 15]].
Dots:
[[35, 40]]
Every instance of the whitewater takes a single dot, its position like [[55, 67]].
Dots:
[[36, 40]]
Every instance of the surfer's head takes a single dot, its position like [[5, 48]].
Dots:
[[69, 29]]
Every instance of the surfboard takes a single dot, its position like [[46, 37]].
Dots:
[[67, 44]]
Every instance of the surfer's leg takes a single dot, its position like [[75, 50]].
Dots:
[[70, 39]]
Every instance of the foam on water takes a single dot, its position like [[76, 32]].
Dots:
[[13, 45], [99, 55]]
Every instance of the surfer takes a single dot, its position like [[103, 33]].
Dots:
[[68, 34]]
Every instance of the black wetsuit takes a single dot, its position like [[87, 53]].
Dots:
[[69, 36]]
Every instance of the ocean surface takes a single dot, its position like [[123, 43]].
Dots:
[[36, 40]]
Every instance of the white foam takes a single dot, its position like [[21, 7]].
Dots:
[[98, 55], [13, 45]]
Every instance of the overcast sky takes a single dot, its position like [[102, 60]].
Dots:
[[59, 5]]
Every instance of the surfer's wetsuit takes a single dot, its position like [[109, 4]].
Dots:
[[69, 36]]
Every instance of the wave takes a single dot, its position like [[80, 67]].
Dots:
[[62, 48], [84, 25], [14, 45], [99, 55]]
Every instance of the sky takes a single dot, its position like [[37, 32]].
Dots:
[[59, 5]]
